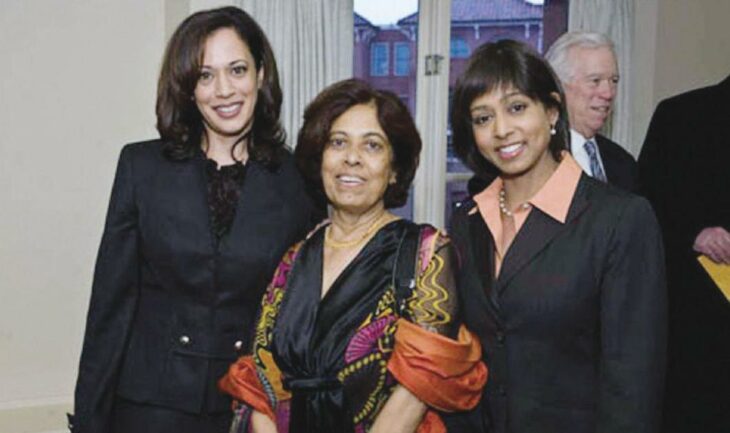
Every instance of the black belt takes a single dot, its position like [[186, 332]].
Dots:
[[311, 384], [317, 406]]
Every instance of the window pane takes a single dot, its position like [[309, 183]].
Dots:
[[459, 48], [379, 59], [402, 58], [385, 30]]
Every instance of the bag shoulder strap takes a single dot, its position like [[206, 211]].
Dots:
[[404, 270]]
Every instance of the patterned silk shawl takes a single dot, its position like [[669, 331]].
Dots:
[[311, 336], [332, 352]]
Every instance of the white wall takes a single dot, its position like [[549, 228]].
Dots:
[[78, 81], [681, 45], [197, 5], [693, 45]]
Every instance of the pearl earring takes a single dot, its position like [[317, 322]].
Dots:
[[552, 130]]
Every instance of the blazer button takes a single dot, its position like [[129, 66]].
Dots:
[[500, 338], [238, 345], [184, 340]]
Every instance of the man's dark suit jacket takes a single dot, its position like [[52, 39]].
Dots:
[[573, 329], [685, 173], [621, 168], [169, 310]]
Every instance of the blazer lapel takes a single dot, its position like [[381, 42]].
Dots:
[[254, 199], [195, 171], [482, 246], [536, 234], [609, 160]]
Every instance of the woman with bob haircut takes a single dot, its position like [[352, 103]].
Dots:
[[359, 329], [196, 224], [562, 275]]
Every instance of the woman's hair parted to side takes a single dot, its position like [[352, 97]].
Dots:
[[179, 122], [505, 64], [393, 117]]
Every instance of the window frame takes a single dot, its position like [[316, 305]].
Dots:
[[397, 60], [386, 48], [433, 42], [461, 44]]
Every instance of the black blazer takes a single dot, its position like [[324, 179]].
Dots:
[[685, 174], [621, 168], [169, 310], [573, 330]]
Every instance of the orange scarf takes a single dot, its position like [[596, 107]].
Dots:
[[445, 374]]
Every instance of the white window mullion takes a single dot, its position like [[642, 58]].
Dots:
[[458, 177], [434, 29]]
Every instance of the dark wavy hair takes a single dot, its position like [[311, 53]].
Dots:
[[506, 63], [178, 119], [393, 117]]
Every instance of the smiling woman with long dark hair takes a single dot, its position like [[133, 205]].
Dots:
[[196, 224], [562, 275]]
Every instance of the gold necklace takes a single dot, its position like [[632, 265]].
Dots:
[[375, 226]]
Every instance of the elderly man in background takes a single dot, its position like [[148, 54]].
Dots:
[[586, 64]]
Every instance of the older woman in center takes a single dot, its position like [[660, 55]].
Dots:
[[359, 329]]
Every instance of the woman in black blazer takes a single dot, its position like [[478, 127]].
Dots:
[[196, 224], [562, 275]]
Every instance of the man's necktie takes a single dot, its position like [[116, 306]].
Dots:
[[596, 169]]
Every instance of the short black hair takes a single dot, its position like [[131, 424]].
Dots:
[[506, 63]]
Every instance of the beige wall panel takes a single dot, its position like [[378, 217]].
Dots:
[[679, 45], [692, 45], [78, 81]]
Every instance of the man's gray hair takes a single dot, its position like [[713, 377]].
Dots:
[[557, 55]]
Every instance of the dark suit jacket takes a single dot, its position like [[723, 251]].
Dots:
[[621, 168], [685, 173], [169, 310], [573, 330]]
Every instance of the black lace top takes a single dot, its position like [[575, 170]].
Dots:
[[224, 189]]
